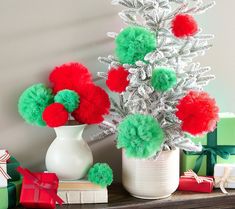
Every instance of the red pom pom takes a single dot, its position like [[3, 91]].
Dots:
[[184, 25], [55, 115], [117, 79], [94, 103], [198, 113], [69, 76]]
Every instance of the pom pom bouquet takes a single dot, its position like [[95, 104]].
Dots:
[[71, 102], [162, 101], [72, 95]]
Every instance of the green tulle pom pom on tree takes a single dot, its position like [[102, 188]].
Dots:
[[133, 43], [68, 98], [163, 79], [33, 102], [101, 174], [140, 135]]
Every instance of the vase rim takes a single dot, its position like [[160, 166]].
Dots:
[[75, 125], [147, 159], [71, 124]]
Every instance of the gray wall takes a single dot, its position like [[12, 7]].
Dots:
[[37, 35]]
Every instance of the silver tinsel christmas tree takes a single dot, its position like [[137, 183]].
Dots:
[[171, 52]]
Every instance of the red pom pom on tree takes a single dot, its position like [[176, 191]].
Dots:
[[198, 113], [69, 76], [55, 115], [184, 25], [117, 79]]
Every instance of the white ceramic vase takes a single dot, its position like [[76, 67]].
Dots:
[[151, 179], [69, 156]]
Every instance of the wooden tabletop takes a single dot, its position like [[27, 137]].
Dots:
[[120, 199]]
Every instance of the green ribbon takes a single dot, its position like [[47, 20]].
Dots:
[[211, 153], [11, 169], [211, 150], [11, 195]]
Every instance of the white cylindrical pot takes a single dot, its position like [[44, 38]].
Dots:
[[151, 179], [69, 156]]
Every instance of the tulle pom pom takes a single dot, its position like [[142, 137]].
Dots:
[[133, 43], [198, 113], [94, 104], [163, 79], [184, 25], [68, 98], [69, 76], [33, 102], [101, 174], [117, 79], [55, 115], [140, 135]]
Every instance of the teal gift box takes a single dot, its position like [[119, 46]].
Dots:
[[218, 147], [10, 195]]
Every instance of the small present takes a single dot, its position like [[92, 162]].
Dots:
[[10, 195], [4, 176], [82, 192], [194, 183], [39, 190], [218, 147], [224, 175]]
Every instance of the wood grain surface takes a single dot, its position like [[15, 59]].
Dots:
[[120, 199]]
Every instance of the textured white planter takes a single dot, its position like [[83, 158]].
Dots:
[[69, 156], [151, 179]]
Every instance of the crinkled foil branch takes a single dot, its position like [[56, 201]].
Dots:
[[177, 54]]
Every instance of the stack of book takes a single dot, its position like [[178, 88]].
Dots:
[[81, 192]]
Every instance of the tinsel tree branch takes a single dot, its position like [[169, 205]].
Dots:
[[177, 54]]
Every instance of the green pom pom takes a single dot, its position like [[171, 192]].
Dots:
[[101, 174], [140, 135], [133, 43], [32, 103], [163, 79], [68, 98]]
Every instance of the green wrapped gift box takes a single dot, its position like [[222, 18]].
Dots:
[[11, 169], [10, 195], [218, 147]]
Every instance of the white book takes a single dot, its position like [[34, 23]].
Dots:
[[81, 192]]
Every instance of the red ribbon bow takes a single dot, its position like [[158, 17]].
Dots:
[[3, 160], [39, 185]]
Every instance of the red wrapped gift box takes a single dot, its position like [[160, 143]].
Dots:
[[39, 190], [191, 182]]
